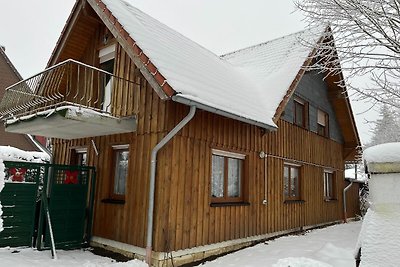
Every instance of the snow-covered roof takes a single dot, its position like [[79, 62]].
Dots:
[[351, 175], [389, 152], [274, 65], [225, 84], [383, 158]]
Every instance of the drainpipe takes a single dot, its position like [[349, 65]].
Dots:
[[344, 200], [153, 165]]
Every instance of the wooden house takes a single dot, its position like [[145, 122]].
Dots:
[[8, 76], [196, 154]]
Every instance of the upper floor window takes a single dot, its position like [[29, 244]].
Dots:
[[79, 157], [291, 182], [300, 115], [322, 123], [121, 164], [227, 176], [107, 59], [329, 185]]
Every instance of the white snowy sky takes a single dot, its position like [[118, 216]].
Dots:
[[29, 29]]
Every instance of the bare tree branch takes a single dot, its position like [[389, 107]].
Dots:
[[363, 42]]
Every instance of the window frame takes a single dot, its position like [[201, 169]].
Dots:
[[114, 150], [226, 199], [75, 158], [290, 166], [325, 128], [329, 194], [304, 104], [106, 54]]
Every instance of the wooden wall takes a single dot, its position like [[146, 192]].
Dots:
[[183, 215]]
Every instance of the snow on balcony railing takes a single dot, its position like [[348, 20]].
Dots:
[[71, 83]]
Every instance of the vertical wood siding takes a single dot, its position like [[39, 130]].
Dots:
[[183, 215]]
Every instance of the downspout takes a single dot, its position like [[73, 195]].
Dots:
[[153, 166], [344, 201]]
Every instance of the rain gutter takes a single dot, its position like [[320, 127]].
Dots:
[[185, 101], [153, 166], [344, 200]]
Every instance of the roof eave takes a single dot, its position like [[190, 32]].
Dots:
[[155, 78], [189, 102]]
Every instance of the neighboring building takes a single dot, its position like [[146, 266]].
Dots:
[[8, 76], [261, 151]]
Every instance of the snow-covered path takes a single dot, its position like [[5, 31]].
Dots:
[[331, 246]]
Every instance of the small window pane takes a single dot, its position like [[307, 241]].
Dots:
[[321, 118], [217, 177], [328, 185], [286, 181], [234, 171], [299, 116], [121, 171], [294, 182], [82, 158]]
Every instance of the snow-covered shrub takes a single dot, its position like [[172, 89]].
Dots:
[[364, 199], [2, 175]]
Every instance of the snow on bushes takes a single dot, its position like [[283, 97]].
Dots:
[[2, 175], [15, 154]]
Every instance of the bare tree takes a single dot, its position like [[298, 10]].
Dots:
[[364, 37]]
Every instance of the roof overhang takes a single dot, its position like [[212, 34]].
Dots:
[[71, 123]]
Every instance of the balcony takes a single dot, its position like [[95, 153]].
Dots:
[[71, 100]]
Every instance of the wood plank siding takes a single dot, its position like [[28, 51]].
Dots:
[[184, 217]]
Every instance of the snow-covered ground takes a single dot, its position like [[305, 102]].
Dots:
[[331, 246], [10, 257]]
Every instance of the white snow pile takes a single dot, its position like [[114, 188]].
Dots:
[[380, 238], [300, 262], [14, 154], [389, 152], [351, 174], [328, 247], [2, 177], [33, 258]]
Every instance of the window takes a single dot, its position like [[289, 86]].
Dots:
[[300, 113], [121, 164], [329, 185], [291, 186], [107, 58], [323, 123], [79, 157], [227, 176]]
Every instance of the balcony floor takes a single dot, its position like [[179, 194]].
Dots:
[[70, 122]]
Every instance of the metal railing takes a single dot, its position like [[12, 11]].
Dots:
[[70, 83]]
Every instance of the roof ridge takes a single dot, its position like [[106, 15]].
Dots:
[[7, 59], [263, 43]]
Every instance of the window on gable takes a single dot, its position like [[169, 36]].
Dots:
[[107, 59], [322, 123], [121, 164], [227, 176], [300, 115], [329, 185], [291, 182]]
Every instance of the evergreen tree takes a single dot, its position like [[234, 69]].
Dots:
[[387, 127]]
